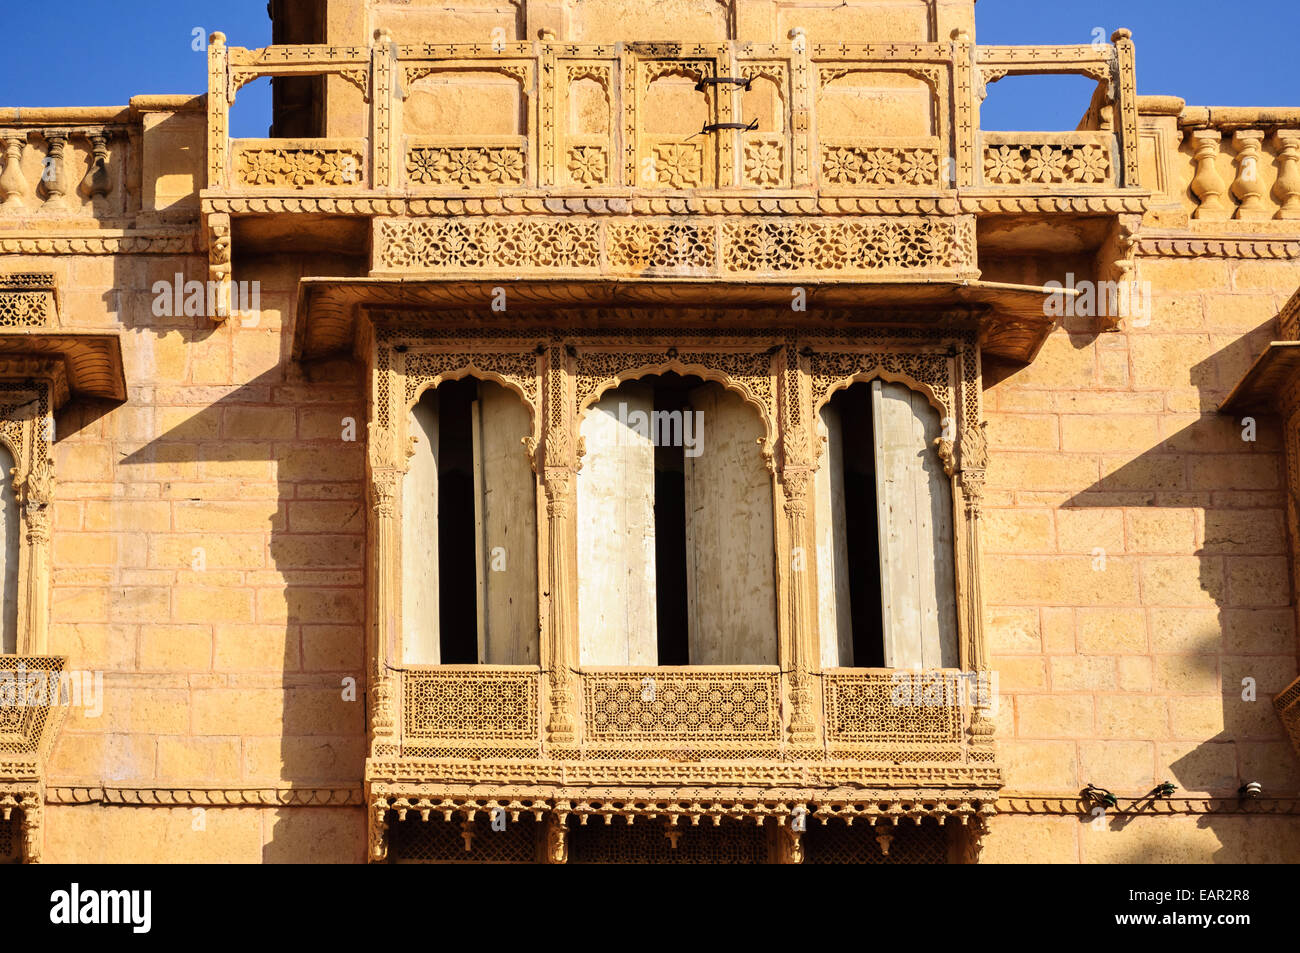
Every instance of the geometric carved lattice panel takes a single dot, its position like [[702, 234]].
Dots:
[[491, 705], [10, 840], [837, 843], [654, 705], [437, 841], [29, 686], [865, 708], [647, 842]]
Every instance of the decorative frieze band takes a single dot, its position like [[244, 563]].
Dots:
[[671, 248], [336, 796], [587, 205], [1194, 247], [112, 244]]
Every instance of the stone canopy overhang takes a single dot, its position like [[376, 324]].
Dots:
[[1012, 320], [1262, 386], [79, 363]]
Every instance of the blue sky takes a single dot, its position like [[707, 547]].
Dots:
[[93, 58]]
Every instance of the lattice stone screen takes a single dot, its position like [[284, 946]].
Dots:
[[867, 716], [484, 711], [29, 696], [632, 706]]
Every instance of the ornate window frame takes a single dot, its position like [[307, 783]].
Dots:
[[559, 368], [28, 729]]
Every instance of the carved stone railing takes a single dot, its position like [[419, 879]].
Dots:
[[1048, 159], [690, 714], [681, 713], [729, 153], [296, 164], [903, 717], [64, 171], [469, 711], [1218, 163]]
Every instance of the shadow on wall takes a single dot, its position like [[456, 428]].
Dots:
[[1219, 627], [263, 462]]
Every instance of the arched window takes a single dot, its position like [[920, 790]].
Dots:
[[469, 530], [10, 534], [675, 544], [884, 518]]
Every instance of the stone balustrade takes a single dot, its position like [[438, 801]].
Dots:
[[1222, 163]]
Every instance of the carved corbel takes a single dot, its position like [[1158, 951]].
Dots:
[[1207, 185], [974, 463], [377, 831], [791, 845], [557, 840], [219, 260], [1248, 186], [33, 831]]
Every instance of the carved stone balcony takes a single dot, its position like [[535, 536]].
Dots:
[[30, 716], [601, 178], [696, 743]]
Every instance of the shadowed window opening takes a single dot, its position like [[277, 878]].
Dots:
[[457, 579], [861, 527]]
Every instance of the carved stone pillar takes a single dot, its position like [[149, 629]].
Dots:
[[1248, 186], [384, 477], [974, 464], [1207, 184], [38, 492], [1287, 187], [796, 483], [559, 465], [384, 172], [218, 111], [12, 182], [52, 173], [1127, 108]]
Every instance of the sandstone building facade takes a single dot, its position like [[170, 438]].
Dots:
[[593, 430]]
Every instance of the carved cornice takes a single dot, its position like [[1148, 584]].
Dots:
[[741, 779], [1194, 246], [118, 243], [90, 793], [555, 202]]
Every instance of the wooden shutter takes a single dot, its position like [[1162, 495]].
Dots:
[[616, 533], [730, 571], [507, 530], [914, 510], [420, 603], [834, 612]]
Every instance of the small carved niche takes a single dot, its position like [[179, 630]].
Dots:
[[466, 103], [874, 104]]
